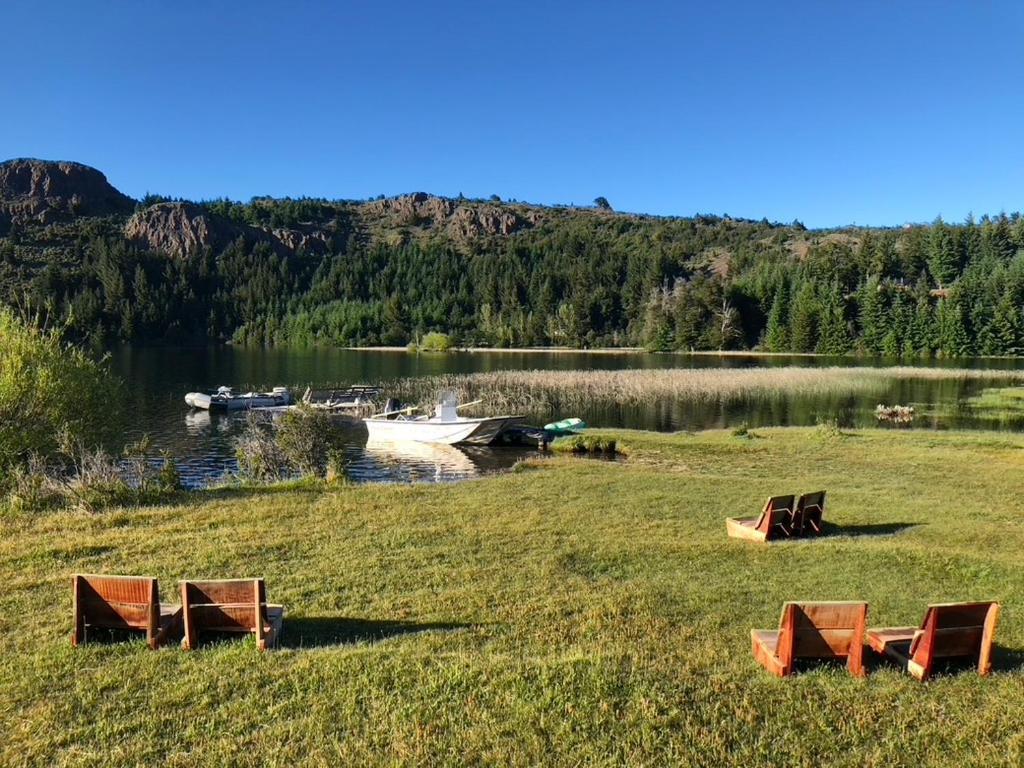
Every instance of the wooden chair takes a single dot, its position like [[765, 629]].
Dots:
[[949, 631], [773, 522], [808, 514], [828, 630], [229, 605], [121, 602]]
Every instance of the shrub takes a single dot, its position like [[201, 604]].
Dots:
[[302, 442], [258, 454], [436, 342], [49, 388], [306, 438]]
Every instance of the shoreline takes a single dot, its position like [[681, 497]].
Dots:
[[593, 351]]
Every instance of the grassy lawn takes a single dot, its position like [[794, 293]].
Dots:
[[578, 613]]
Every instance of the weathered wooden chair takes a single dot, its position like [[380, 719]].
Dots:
[[121, 602], [826, 630], [229, 605], [808, 514], [949, 631], [772, 523]]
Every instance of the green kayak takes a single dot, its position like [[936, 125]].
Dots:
[[566, 426]]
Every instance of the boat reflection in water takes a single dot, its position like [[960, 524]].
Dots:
[[409, 461]]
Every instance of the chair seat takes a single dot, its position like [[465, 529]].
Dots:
[[882, 639], [766, 638], [743, 529]]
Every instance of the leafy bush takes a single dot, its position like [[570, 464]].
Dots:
[[302, 442], [49, 388], [306, 438], [436, 342]]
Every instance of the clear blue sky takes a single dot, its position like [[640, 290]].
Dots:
[[833, 113]]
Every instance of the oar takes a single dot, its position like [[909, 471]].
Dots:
[[407, 409], [466, 405]]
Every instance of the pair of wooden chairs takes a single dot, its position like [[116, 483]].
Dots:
[[133, 603], [837, 630], [782, 517]]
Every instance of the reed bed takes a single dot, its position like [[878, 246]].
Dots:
[[552, 391]]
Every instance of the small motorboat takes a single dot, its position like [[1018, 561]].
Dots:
[[353, 398], [224, 399], [445, 426]]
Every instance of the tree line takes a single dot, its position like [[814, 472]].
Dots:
[[705, 283]]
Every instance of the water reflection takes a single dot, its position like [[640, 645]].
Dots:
[[410, 461]]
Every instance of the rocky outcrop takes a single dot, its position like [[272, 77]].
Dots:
[[468, 223], [182, 229], [310, 240], [48, 191], [461, 219]]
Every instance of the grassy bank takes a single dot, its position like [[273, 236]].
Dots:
[[577, 613]]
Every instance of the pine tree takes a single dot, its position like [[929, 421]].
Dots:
[[1006, 327], [943, 261], [834, 332], [776, 334], [953, 338], [872, 316], [803, 319]]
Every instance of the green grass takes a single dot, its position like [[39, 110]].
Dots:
[[1009, 400], [581, 613]]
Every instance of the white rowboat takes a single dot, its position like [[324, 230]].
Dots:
[[445, 426]]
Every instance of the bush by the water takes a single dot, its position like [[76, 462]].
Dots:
[[303, 441], [48, 389], [90, 478], [434, 342]]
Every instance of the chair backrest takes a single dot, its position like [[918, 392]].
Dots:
[[226, 605], [821, 630], [775, 515], [115, 602], [810, 509], [955, 630]]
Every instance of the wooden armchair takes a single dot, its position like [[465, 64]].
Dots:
[[807, 517], [229, 605], [121, 602], [948, 631], [825, 630], [773, 522]]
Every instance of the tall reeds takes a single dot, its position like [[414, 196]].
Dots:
[[557, 391]]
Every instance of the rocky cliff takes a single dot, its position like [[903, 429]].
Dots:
[[37, 190], [37, 193], [179, 229]]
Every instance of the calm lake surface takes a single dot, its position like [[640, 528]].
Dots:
[[203, 443]]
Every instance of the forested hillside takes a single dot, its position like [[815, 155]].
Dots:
[[499, 273]]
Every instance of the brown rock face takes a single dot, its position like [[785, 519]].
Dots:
[[181, 229], [464, 220], [49, 191]]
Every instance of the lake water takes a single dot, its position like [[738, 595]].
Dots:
[[203, 443]]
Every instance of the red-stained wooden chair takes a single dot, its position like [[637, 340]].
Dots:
[[949, 631], [808, 514], [818, 630], [229, 605], [772, 523], [121, 602]]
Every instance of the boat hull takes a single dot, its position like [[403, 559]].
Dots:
[[205, 402], [472, 431]]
